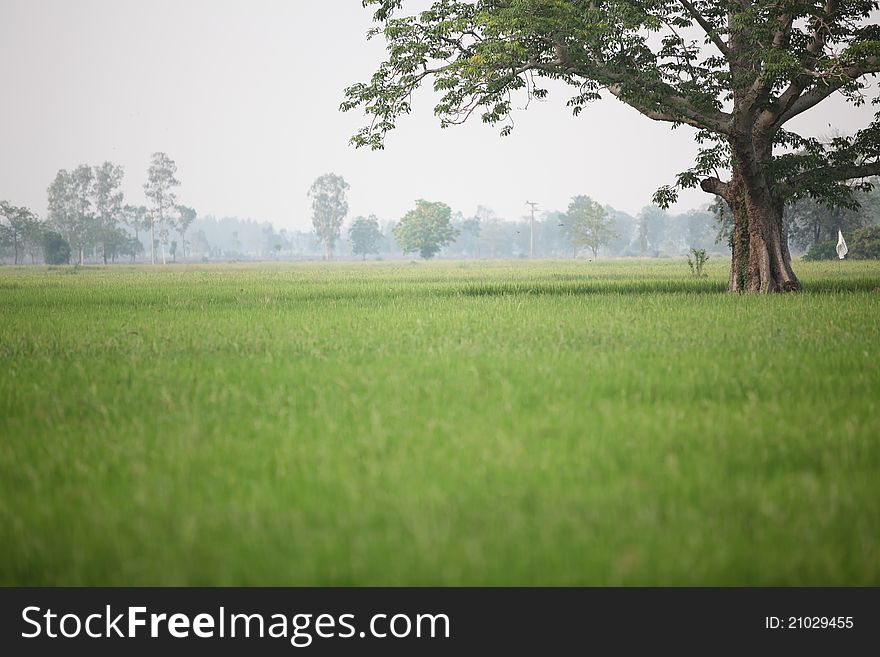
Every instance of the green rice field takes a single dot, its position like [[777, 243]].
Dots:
[[613, 422]]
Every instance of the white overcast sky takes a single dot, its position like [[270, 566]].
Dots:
[[243, 95]]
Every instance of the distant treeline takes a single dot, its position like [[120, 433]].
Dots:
[[88, 222]]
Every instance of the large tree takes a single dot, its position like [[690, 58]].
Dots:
[[587, 225], [329, 208], [159, 189], [736, 70]]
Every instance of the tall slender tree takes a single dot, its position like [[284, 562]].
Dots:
[[70, 208], [738, 71], [159, 189], [329, 207], [108, 204]]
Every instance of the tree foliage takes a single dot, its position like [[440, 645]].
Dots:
[[587, 224], [865, 243], [56, 250], [184, 219], [20, 228], [425, 229], [812, 221]]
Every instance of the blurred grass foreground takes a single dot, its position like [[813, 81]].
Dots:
[[501, 423]]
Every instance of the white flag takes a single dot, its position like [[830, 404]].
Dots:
[[841, 246]]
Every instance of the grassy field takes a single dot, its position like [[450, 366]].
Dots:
[[553, 423]]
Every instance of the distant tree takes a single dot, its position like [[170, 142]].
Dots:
[[587, 224], [185, 217], [33, 243], [364, 235], [118, 243], [108, 204], [491, 231], [159, 188], [652, 229], [642, 235], [865, 243], [56, 250], [272, 241], [19, 227], [469, 236], [329, 208], [810, 221], [698, 229], [70, 208], [624, 227], [200, 245], [136, 218], [131, 247], [425, 229]]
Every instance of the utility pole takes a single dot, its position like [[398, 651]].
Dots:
[[533, 206]]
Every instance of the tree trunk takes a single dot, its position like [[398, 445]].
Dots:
[[328, 251], [760, 258], [152, 242], [769, 265]]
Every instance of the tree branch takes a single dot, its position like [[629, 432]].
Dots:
[[836, 173], [715, 186], [770, 118], [676, 108], [707, 28], [816, 96]]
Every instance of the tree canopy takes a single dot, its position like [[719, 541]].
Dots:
[[587, 224], [738, 71], [425, 229]]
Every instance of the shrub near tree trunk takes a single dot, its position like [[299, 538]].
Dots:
[[826, 250]]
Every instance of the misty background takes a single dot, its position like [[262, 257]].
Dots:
[[244, 97]]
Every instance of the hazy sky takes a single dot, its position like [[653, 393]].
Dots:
[[244, 96]]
